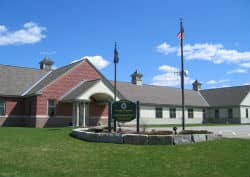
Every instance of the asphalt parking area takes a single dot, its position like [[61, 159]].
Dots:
[[227, 131]]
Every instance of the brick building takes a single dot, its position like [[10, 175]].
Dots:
[[78, 94]]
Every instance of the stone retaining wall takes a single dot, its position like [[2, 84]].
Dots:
[[141, 139]]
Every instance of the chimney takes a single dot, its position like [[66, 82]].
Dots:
[[46, 64], [196, 85], [136, 78]]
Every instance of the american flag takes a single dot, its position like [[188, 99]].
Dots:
[[116, 58], [180, 35]]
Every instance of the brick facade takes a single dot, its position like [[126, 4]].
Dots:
[[98, 110], [83, 71], [14, 106]]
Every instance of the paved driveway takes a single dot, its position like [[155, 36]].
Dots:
[[234, 131]]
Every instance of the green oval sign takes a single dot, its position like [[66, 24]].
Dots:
[[123, 110]]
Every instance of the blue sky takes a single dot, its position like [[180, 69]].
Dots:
[[217, 40]]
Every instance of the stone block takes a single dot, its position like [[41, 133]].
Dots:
[[160, 139], [182, 139], [110, 138], [90, 136], [199, 138], [211, 137], [135, 139], [74, 133]]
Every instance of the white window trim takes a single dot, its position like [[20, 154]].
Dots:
[[51, 107]]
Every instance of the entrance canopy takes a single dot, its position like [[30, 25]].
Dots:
[[85, 90], [89, 100]]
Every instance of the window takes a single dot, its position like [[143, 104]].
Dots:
[[2, 107], [158, 112], [216, 113], [190, 113], [172, 113], [51, 107], [246, 113], [203, 113], [230, 113]]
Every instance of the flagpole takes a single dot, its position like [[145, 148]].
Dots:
[[182, 78], [115, 62]]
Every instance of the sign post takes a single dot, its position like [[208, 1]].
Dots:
[[109, 116]]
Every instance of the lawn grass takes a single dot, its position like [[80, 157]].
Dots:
[[52, 152]]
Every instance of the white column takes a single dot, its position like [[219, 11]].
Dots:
[[77, 114], [84, 114]]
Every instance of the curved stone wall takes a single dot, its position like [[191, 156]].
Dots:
[[142, 139]]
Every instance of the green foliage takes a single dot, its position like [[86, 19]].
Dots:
[[29, 152]]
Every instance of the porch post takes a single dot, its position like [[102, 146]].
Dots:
[[77, 114], [84, 114]]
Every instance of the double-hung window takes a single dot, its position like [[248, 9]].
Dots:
[[172, 113], [2, 107], [158, 112], [190, 113], [217, 113], [230, 113], [51, 107]]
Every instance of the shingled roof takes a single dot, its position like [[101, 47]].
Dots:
[[16, 80], [227, 96], [150, 94]]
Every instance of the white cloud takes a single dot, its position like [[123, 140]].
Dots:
[[247, 83], [167, 68], [170, 77], [98, 61], [30, 33], [215, 53], [246, 65], [166, 48], [237, 71], [226, 86], [54, 67], [2, 29], [212, 82]]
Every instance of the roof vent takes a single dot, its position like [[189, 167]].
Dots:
[[196, 85], [136, 78], [46, 64]]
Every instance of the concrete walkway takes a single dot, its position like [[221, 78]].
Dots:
[[234, 131]]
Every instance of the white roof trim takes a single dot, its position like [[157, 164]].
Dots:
[[80, 97], [27, 91]]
